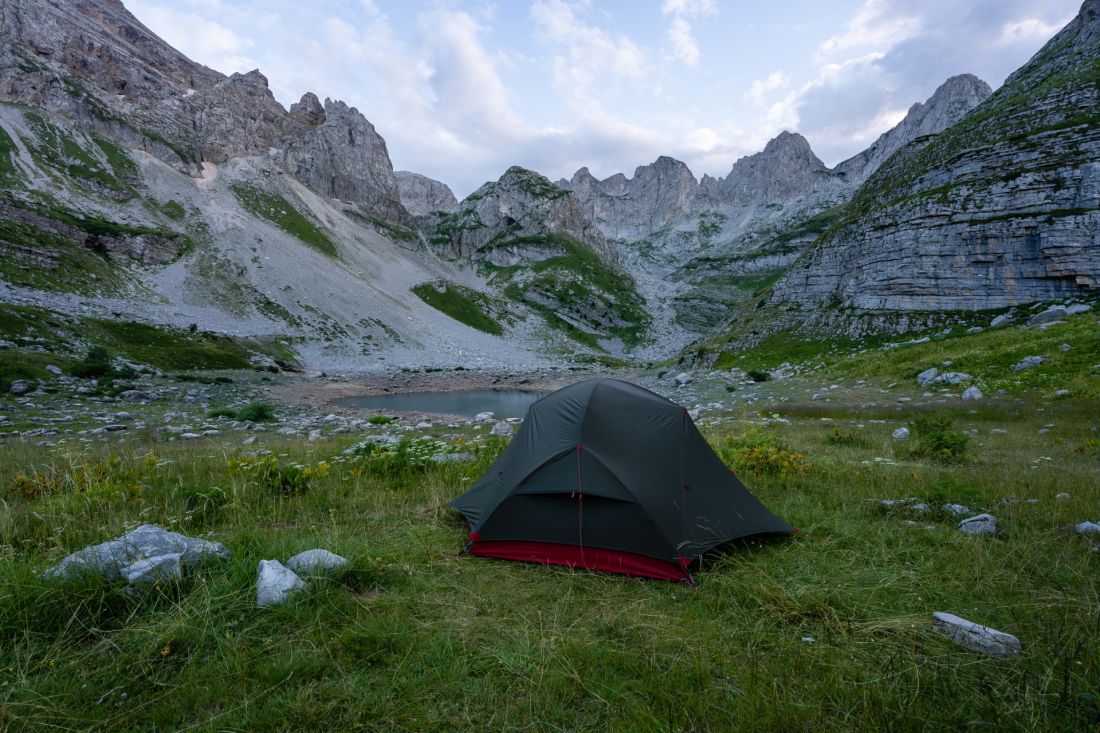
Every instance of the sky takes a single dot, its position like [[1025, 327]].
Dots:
[[463, 89]]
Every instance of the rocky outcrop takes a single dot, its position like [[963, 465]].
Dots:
[[339, 154], [95, 64], [422, 195], [625, 208], [950, 102], [513, 221], [1003, 208], [785, 170]]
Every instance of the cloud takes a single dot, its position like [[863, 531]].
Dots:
[[684, 46], [893, 53], [218, 46], [760, 88]]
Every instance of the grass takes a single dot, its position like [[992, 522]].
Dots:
[[46, 261], [463, 304], [414, 637], [280, 212]]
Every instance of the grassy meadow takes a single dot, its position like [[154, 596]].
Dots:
[[827, 630]]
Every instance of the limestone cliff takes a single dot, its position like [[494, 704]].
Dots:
[[422, 195]]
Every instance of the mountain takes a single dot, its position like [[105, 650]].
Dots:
[[1000, 209], [421, 195], [94, 64]]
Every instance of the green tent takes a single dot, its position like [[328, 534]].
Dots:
[[606, 475]]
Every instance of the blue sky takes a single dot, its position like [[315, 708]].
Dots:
[[462, 89]]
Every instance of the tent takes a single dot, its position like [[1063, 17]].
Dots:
[[606, 475]]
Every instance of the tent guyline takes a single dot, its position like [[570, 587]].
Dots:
[[606, 475]]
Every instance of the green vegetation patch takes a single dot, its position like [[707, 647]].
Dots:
[[35, 258], [463, 304], [280, 212], [56, 149]]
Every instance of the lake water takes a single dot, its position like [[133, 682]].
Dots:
[[468, 402]]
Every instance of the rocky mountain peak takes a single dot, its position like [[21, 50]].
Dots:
[[786, 169], [948, 104], [422, 195], [308, 112]]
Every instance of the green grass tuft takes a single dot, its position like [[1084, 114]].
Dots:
[[280, 212]]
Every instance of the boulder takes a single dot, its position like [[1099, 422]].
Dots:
[[1078, 308], [683, 378], [451, 457], [502, 429], [974, 636], [926, 377], [484, 417], [1054, 313], [1002, 320], [901, 434], [19, 387], [116, 558], [275, 583], [951, 378], [972, 393], [1027, 363], [54, 370], [316, 562], [982, 524], [152, 569]]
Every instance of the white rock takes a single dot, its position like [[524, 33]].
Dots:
[[1078, 308], [275, 583], [951, 378], [1002, 320], [287, 431], [982, 524], [143, 543], [957, 508], [972, 393], [683, 378], [1062, 495], [19, 387], [502, 429], [54, 370], [1065, 347], [901, 434], [925, 378], [451, 457], [423, 425], [1027, 363], [484, 417], [1087, 528], [190, 436], [974, 636], [153, 568], [314, 436], [316, 562]]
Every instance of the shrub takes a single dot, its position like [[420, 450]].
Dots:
[[846, 437], [380, 419], [759, 453], [222, 412], [256, 412], [758, 375], [96, 363], [936, 440], [284, 479]]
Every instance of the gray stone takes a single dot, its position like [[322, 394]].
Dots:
[[316, 562], [451, 457], [1002, 320], [951, 378], [956, 509], [1078, 308], [275, 583], [683, 379], [502, 429], [974, 636], [152, 569], [314, 436], [19, 387], [137, 395], [1065, 347], [484, 417], [143, 543], [982, 524], [54, 370], [422, 195], [1062, 495], [1028, 362], [1087, 528], [972, 393], [901, 434], [926, 377], [190, 436], [1054, 313]]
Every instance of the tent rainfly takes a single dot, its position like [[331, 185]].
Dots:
[[606, 475]]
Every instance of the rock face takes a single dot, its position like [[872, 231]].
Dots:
[[786, 169], [513, 220], [339, 154], [1000, 209], [422, 195], [95, 64]]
